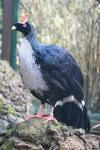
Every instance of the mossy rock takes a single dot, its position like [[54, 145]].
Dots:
[[35, 135], [32, 134], [8, 145]]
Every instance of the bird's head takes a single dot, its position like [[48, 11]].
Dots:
[[25, 28]]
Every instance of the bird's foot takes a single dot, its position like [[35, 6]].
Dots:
[[38, 115], [49, 118]]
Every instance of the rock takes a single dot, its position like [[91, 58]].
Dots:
[[13, 96], [17, 134], [21, 145], [35, 135], [13, 100], [14, 119], [1, 141], [3, 127]]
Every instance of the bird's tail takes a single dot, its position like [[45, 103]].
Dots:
[[86, 121], [72, 113]]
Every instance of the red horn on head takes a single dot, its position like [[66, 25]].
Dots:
[[24, 19]]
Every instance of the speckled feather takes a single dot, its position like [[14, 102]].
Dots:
[[30, 71]]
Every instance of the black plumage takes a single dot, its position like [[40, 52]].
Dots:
[[71, 115], [59, 70], [59, 76]]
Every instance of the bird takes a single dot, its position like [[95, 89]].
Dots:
[[52, 75]]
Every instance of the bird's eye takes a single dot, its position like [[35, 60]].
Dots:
[[24, 25]]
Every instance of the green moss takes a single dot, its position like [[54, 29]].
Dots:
[[8, 145], [10, 131], [1, 105], [11, 110], [1, 140]]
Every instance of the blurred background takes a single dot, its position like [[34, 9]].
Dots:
[[73, 24]]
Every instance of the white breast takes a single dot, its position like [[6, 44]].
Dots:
[[30, 71]]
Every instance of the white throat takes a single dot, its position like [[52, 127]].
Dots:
[[30, 71]]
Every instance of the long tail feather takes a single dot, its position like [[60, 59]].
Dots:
[[72, 115]]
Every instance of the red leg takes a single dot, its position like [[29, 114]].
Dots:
[[50, 117], [39, 114]]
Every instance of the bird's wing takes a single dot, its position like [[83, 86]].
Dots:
[[62, 68]]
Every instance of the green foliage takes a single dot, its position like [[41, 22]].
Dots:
[[11, 110]]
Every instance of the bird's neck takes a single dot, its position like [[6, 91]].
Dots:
[[32, 38]]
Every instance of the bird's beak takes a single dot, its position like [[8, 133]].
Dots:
[[13, 28]]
